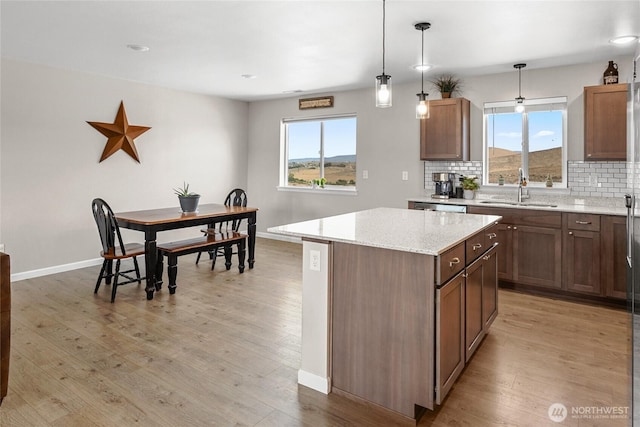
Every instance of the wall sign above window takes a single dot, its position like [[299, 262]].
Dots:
[[321, 102]]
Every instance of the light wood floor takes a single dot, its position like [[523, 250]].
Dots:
[[225, 349]]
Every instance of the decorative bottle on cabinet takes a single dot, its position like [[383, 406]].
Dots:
[[610, 76]]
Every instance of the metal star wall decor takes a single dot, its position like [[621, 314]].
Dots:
[[120, 135]]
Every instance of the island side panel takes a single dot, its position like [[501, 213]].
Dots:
[[314, 369], [383, 326]]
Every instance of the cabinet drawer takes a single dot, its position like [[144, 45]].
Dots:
[[450, 263], [475, 246], [587, 222], [490, 236]]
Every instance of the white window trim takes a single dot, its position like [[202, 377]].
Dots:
[[284, 158], [511, 105]]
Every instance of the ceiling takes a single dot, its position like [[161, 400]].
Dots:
[[308, 46]]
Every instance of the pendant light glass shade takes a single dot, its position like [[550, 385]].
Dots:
[[383, 81], [422, 108], [383, 91], [519, 99]]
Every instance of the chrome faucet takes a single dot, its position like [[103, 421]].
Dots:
[[521, 196]]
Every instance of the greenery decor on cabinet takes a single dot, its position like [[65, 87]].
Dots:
[[447, 85], [188, 200]]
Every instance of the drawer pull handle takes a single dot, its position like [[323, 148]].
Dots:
[[492, 235], [583, 222], [454, 261], [477, 246], [486, 257]]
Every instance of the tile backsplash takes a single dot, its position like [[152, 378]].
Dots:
[[597, 179], [585, 179], [464, 168]]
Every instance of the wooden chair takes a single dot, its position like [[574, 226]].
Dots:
[[114, 249], [236, 197], [5, 322]]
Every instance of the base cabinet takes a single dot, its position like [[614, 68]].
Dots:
[[450, 346], [614, 253], [581, 250], [481, 299], [534, 247], [579, 255]]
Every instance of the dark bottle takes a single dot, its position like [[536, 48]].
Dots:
[[610, 76]]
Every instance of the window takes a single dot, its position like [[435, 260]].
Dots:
[[320, 148], [534, 140]]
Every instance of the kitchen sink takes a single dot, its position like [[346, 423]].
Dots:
[[499, 202]]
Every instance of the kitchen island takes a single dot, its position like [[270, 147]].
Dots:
[[394, 302]]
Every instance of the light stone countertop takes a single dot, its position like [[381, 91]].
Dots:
[[592, 205], [425, 232]]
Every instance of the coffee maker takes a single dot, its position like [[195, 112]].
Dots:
[[447, 185]]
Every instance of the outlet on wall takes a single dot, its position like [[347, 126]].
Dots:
[[1, 247], [405, 175], [314, 260]]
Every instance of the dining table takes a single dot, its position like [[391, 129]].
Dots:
[[152, 221]]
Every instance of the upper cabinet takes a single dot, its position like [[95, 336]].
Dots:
[[445, 134], [605, 122]]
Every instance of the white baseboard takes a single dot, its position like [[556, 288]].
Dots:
[[313, 381], [97, 261], [55, 269]]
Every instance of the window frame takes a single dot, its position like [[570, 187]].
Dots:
[[283, 181], [536, 104]]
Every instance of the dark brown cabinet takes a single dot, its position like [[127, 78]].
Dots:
[[582, 256], [474, 330], [537, 256], [490, 288], [466, 304], [614, 253], [445, 134], [481, 300], [528, 240], [605, 122], [450, 347]]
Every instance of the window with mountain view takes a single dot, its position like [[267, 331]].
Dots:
[[320, 148], [534, 140]]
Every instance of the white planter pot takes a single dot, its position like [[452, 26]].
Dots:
[[469, 194]]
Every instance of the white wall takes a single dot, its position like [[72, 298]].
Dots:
[[49, 170], [49, 158], [388, 139]]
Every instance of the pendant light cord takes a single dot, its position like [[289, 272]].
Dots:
[[384, 14], [422, 62]]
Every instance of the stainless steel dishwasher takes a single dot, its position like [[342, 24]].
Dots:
[[430, 206]]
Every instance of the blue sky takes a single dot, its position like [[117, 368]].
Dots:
[[545, 130], [339, 137]]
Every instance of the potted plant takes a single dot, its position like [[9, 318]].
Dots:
[[188, 200], [318, 183], [447, 84], [469, 185]]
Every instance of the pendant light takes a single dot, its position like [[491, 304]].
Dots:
[[383, 81], [422, 108], [519, 99]]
